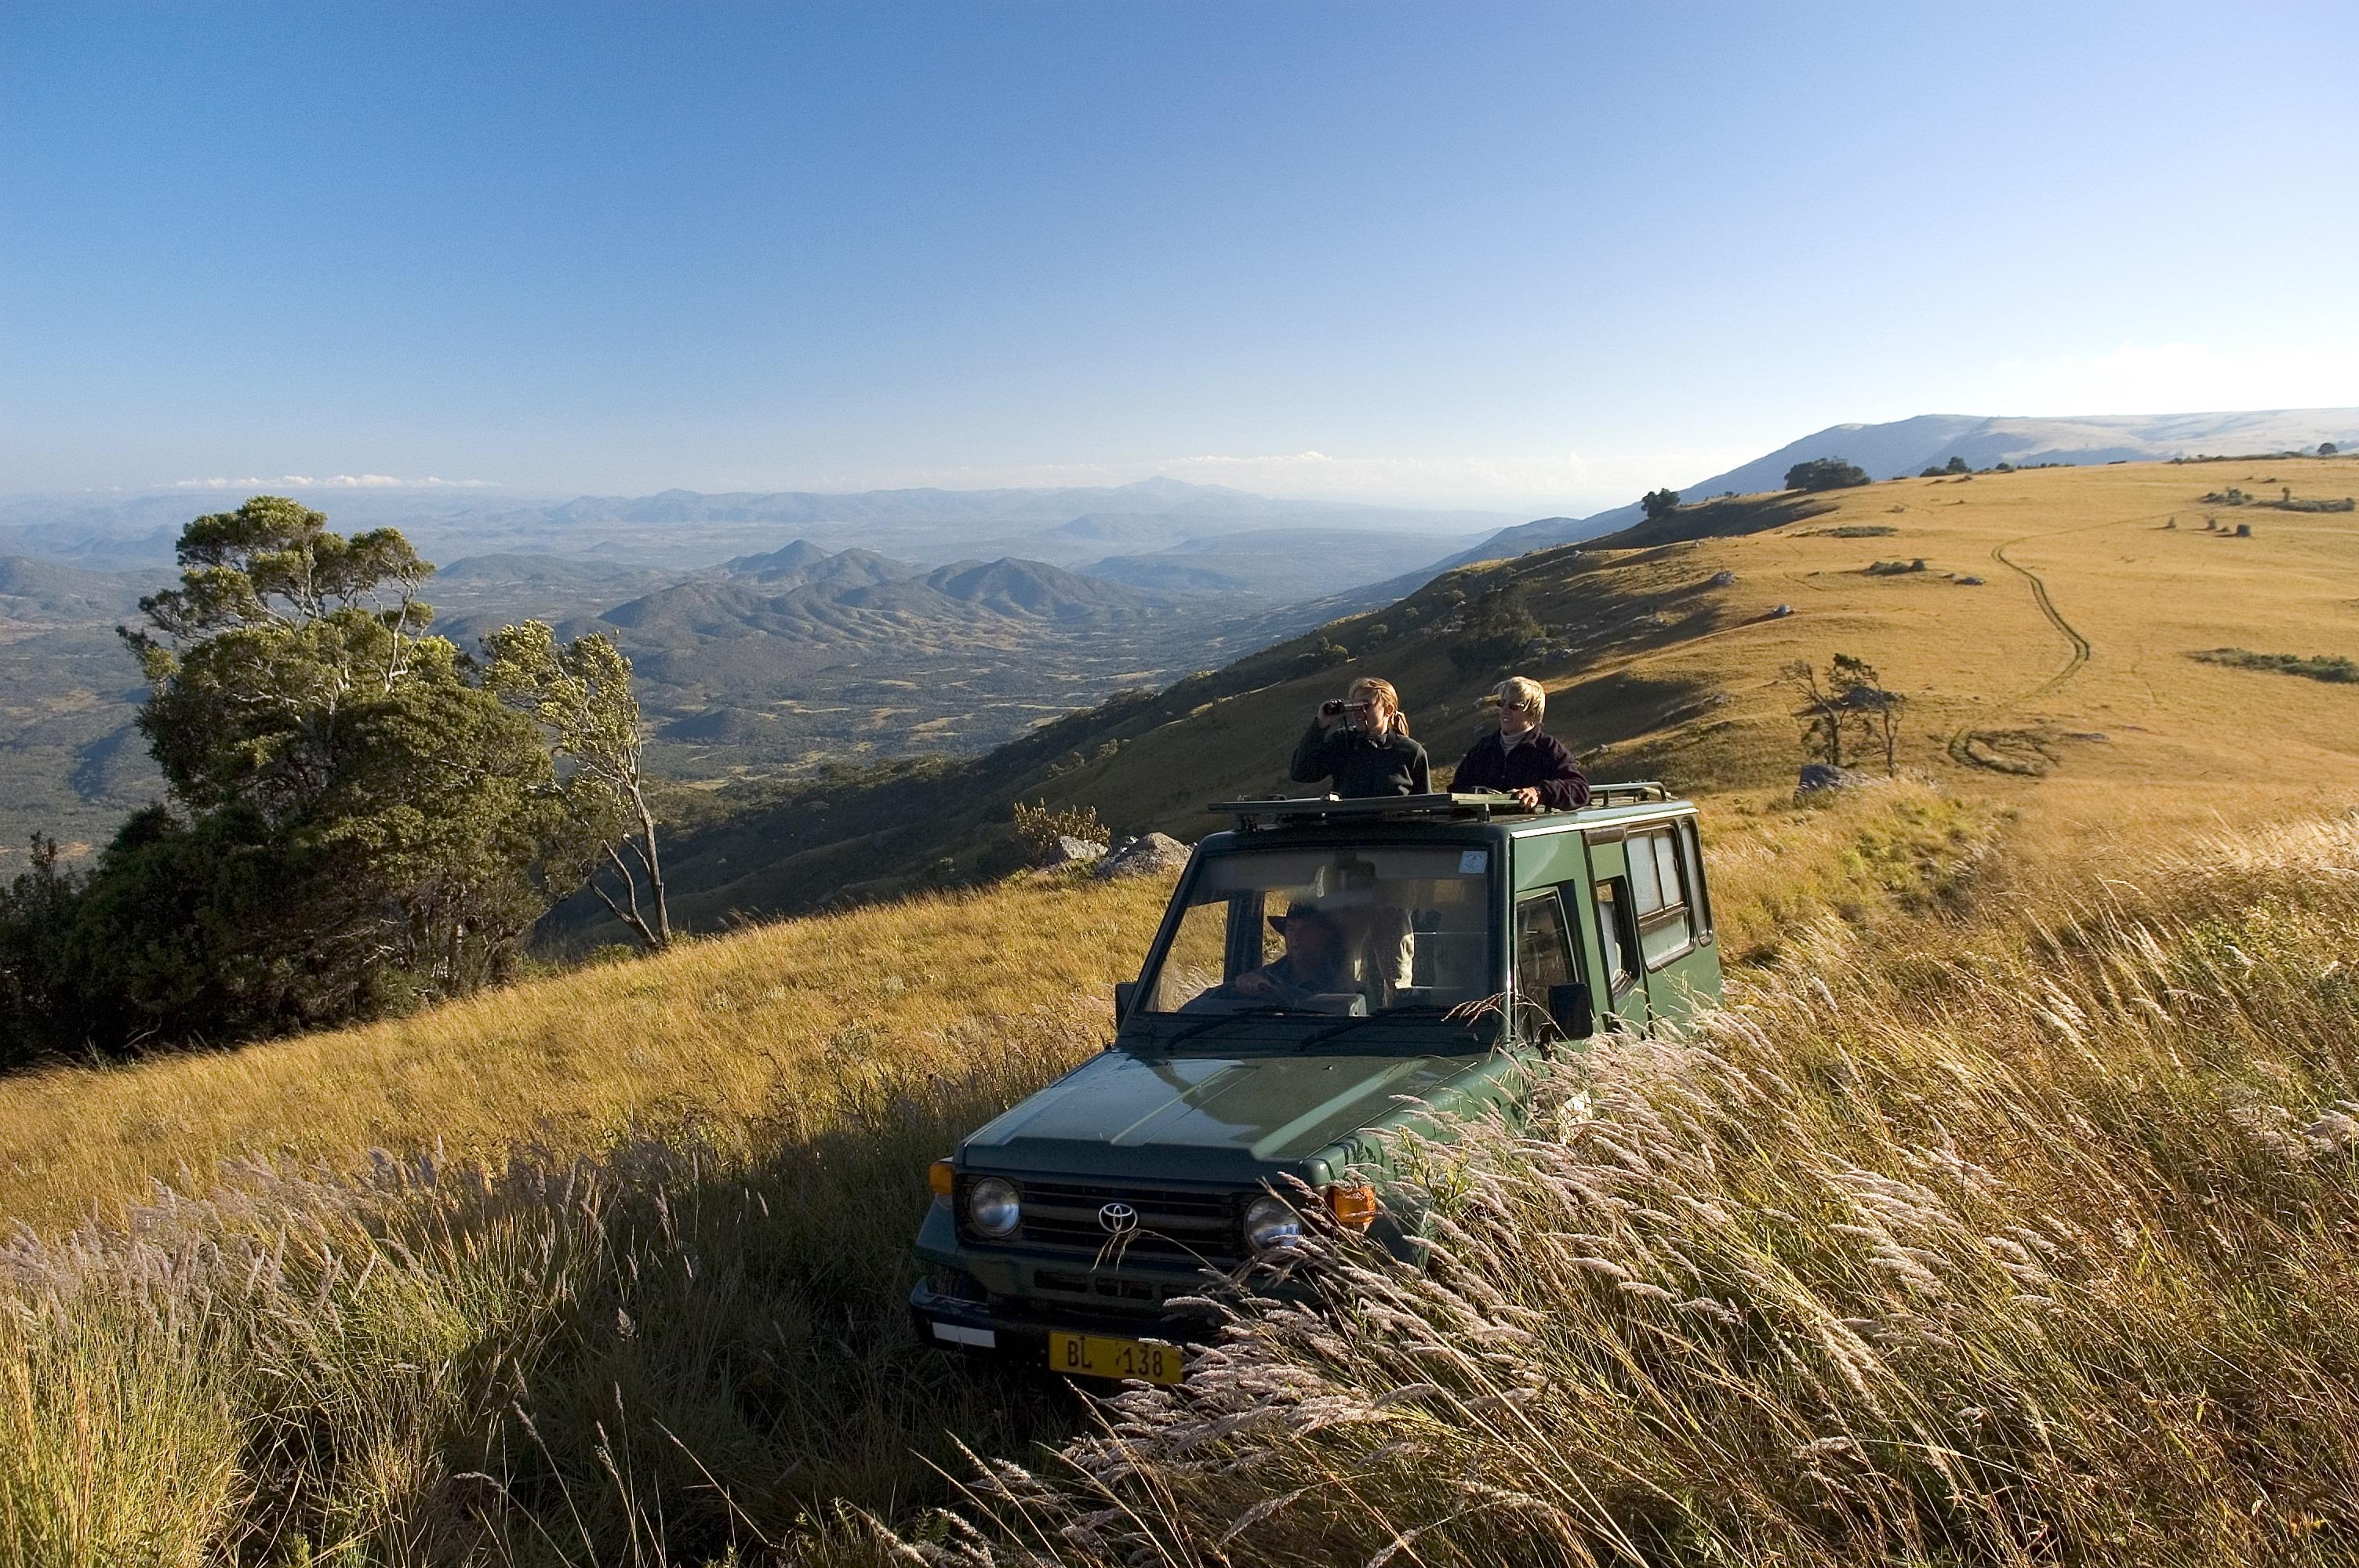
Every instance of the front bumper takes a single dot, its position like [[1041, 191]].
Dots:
[[1018, 1329]]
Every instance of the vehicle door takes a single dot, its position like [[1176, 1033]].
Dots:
[[1612, 934], [1547, 957], [1555, 939]]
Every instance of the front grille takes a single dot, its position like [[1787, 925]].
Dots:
[[1094, 1284], [1174, 1225]]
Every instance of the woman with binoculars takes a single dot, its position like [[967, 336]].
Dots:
[[1361, 740]]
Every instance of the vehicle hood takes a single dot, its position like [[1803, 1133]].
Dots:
[[1205, 1117]]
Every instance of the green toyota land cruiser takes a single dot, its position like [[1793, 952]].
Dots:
[[1327, 971]]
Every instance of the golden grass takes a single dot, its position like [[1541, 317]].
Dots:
[[701, 1042], [714, 1300]]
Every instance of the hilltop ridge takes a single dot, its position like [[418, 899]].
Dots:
[[1901, 447]]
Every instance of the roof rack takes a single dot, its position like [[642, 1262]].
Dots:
[[1640, 792], [1477, 806]]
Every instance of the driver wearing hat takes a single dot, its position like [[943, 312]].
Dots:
[[1313, 964]]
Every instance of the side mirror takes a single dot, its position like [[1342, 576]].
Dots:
[[1124, 993], [1570, 1005]]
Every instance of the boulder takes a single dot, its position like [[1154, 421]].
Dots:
[[1071, 851], [1157, 854], [1817, 776]]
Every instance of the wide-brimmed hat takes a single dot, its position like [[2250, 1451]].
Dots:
[[1310, 912]]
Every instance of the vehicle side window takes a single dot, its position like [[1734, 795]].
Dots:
[[1699, 895], [1659, 895], [1543, 952], [1614, 930]]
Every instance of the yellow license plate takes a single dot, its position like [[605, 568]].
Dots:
[[1090, 1356]]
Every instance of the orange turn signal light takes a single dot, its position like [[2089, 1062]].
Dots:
[[1354, 1208], [939, 1177]]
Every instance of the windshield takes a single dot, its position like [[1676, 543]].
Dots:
[[1342, 931]]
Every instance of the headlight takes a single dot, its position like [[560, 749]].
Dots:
[[1271, 1222], [991, 1207]]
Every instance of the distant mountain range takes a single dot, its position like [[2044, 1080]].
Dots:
[[806, 653], [1216, 539], [1907, 446], [805, 594]]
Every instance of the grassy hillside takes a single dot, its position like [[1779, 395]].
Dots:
[[543, 1268], [2068, 660], [2008, 1219]]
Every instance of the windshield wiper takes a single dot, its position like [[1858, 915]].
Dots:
[[1415, 1012], [1215, 1022]]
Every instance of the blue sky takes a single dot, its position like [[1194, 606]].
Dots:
[[1512, 257]]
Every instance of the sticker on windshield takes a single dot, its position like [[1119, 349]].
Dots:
[[1474, 862]]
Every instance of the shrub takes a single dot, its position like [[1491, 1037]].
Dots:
[[1039, 827], [1659, 503], [1498, 628]]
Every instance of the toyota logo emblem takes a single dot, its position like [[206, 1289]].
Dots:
[[1118, 1219]]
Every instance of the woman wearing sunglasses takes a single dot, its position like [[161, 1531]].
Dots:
[[1362, 742], [1522, 760]]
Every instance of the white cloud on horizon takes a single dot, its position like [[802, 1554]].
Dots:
[[334, 481]]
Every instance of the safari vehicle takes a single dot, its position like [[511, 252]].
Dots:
[[1434, 947]]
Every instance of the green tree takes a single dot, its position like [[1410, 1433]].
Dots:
[[360, 824], [38, 998], [580, 696], [2326, 449], [1848, 702], [277, 629], [1660, 502], [1496, 629], [1825, 473], [1872, 708]]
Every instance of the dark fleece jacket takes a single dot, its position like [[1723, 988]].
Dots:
[[1360, 764], [1538, 762]]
